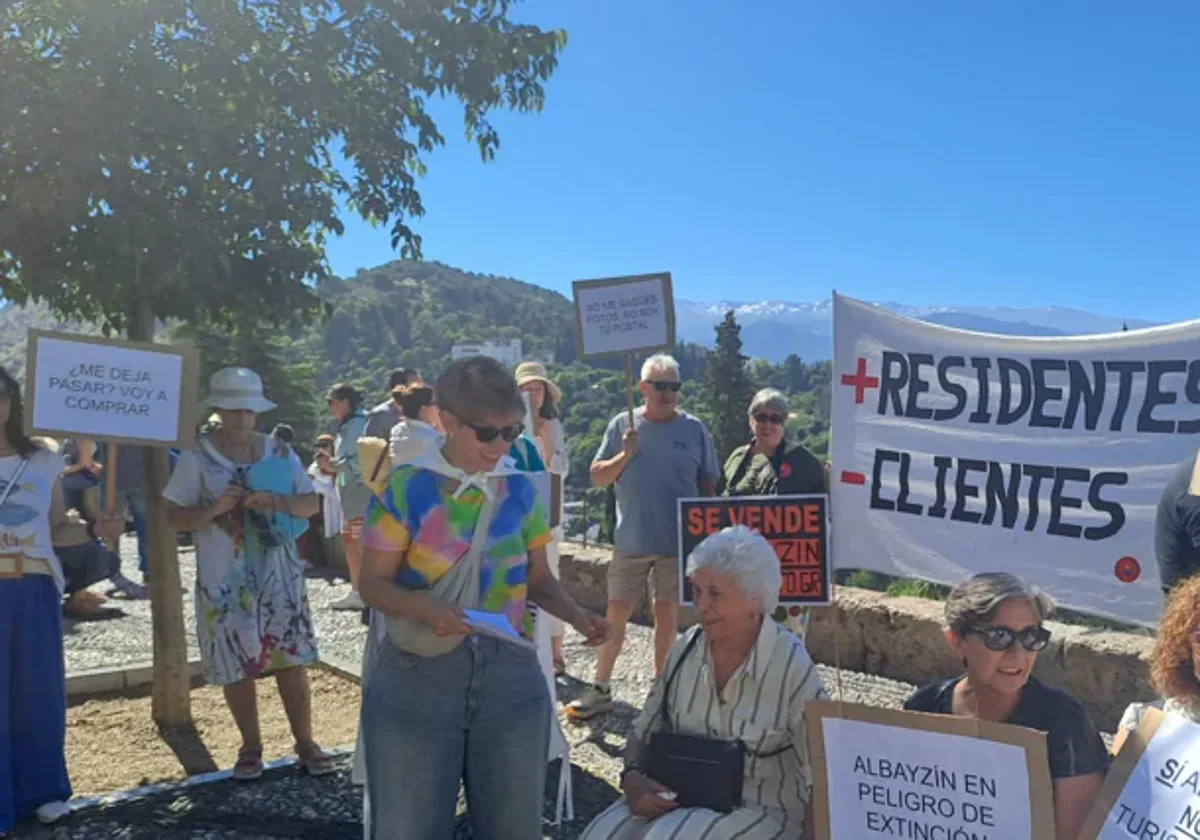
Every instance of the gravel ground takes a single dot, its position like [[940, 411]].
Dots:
[[286, 804], [127, 639]]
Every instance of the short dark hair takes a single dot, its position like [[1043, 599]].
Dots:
[[284, 432], [342, 391], [412, 399], [402, 376], [478, 386]]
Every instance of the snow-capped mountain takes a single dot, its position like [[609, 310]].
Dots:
[[773, 329]]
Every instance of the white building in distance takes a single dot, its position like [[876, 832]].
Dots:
[[508, 353]]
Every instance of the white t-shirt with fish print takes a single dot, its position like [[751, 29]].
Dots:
[[25, 514]]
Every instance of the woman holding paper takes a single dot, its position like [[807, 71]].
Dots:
[[1175, 664], [994, 622], [739, 676], [454, 532]]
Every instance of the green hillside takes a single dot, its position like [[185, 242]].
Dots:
[[406, 314]]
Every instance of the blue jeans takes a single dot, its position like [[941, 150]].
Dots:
[[479, 714], [33, 698]]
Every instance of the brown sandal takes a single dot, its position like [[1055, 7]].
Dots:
[[249, 765], [314, 761]]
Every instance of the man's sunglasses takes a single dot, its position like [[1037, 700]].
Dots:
[[1001, 639], [663, 387], [777, 419], [487, 434]]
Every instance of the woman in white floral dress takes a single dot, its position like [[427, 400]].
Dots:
[[252, 613]]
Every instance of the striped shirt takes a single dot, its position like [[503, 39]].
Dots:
[[762, 704]]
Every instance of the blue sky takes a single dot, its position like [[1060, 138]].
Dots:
[[991, 153]]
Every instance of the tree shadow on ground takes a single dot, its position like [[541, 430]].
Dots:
[[189, 748]]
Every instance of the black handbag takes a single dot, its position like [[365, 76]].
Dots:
[[703, 772]]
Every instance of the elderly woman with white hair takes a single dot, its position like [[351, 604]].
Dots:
[[995, 624], [737, 677]]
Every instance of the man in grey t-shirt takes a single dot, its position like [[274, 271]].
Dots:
[[667, 456], [384, 416]]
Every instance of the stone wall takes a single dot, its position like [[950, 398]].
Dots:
[[902, 639]]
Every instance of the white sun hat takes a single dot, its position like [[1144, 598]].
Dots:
[[237, 389]]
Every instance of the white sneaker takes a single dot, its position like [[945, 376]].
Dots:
[[52, 812], [350, 602]]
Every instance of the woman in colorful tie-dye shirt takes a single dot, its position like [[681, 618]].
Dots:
[[478, 711]]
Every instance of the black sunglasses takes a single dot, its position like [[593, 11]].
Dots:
[[1001, 639], [777, 419], [487, 434], [663, 387]]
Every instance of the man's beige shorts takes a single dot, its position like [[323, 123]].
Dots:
[[627, 575]]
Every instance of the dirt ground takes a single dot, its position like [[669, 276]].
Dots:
[[112, 743]]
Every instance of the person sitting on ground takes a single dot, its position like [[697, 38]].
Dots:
[[994, 622], [1175, 663], [77, 536], [79, 544], [758, 674]]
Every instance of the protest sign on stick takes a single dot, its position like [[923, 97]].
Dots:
[[127, 392], [1153, 786], [81, 386], [881, 773], [961, 452], [796, 526], [620, 316]]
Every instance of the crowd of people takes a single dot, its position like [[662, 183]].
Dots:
[[445, 534]]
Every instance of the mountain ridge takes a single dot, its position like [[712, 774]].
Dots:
[[773, 329]]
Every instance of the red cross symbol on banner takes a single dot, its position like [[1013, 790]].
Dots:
[[859, 381]]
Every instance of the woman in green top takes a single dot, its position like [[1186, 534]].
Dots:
[[771, 466]]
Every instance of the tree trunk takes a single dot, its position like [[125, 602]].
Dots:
[[171, 703]]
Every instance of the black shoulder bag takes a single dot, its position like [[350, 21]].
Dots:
[[703, 772]]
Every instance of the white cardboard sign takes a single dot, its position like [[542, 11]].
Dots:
[[1153, 788], [883, 774], [83, 386], [624, 315]]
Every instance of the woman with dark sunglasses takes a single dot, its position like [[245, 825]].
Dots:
[[455, 545], [770, 465], [994, 623]]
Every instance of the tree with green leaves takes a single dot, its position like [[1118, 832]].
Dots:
[[729, 388], [186, 161]]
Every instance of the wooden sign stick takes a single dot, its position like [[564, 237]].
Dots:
[[110, 487], [629, 386]]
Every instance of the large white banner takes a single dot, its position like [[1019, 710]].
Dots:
[[957, 452]]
